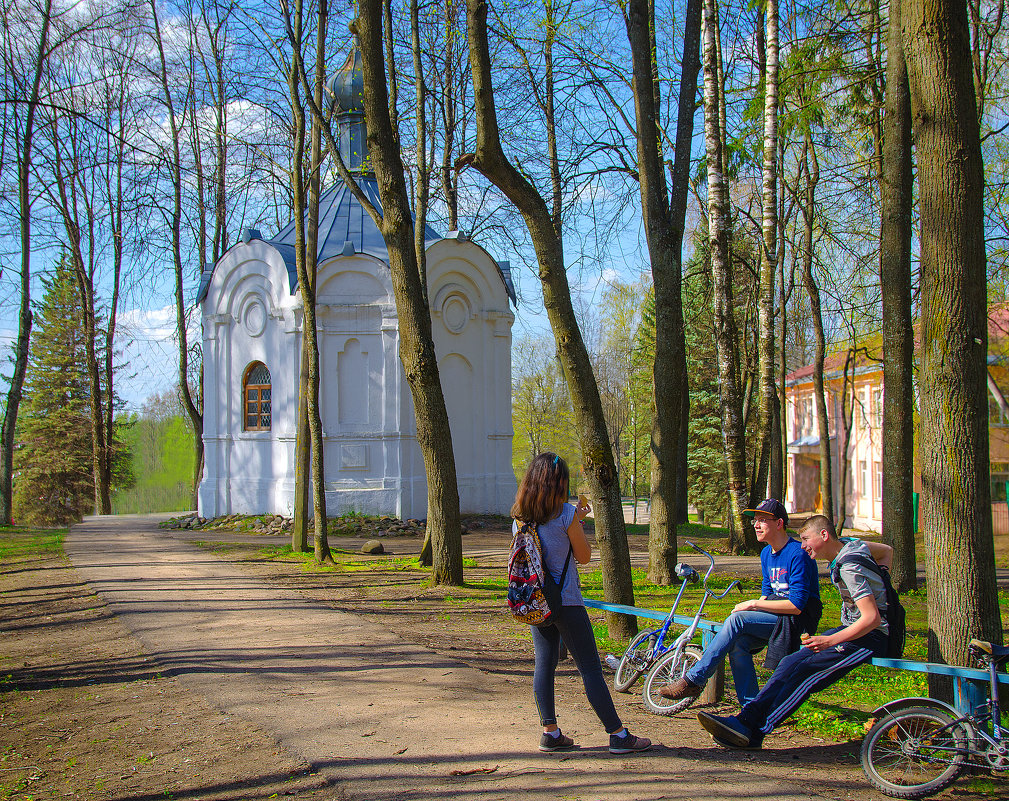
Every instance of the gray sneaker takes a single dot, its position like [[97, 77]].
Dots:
[[559, 743], [628, 743]]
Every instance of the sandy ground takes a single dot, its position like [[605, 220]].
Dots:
[[145, 667]]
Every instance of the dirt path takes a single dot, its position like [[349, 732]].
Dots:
[[191, 676]]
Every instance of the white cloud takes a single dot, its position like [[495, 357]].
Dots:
[[149, 352]]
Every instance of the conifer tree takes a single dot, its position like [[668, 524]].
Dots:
[[53, 480]]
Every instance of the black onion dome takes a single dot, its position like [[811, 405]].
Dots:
[[346, 86]]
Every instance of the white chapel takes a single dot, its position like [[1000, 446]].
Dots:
[[252, 329]]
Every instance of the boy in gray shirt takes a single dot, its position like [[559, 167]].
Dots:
[[824, 658]]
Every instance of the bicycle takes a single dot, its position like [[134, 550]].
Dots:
[[681, 655], [920, 745], [648, 646]]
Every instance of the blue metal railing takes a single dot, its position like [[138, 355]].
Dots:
[[970, 686]]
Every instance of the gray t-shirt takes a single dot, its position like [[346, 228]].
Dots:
[[854, 581], [554, 538]]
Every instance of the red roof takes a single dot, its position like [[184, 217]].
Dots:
[[998, 333]]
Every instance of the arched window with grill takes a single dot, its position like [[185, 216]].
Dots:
[[258, 398]]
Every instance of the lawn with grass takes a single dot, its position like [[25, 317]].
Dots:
[[839, 712], [19, 543]]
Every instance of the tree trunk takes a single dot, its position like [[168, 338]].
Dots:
[[847, 409], [320, 512], [769, 262], [956, 502], [114, 197], [449, 176], [306, 254], [422, 185], [664, 234], [598, 465], [416, 340], [898, 332], [175, 169], [24, 309], [302, 461], [73, 192], [778, 485], [741, 536], [812, 170]]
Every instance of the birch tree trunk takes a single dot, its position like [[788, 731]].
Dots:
[[741, 536], [769, 263], [956, 497], [898, 333]]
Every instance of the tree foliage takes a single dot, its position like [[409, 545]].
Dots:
[[54, 482]]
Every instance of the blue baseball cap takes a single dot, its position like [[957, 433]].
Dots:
[[770, 507]]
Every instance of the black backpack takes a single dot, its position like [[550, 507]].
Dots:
[[895, 615]]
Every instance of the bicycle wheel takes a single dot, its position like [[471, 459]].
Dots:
[[635, 661], [911, 754], [668, 669]]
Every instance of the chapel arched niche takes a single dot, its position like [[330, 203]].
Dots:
[[234, 278], [353, 401], [457, 376]]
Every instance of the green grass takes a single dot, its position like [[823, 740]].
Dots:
[[688, 531], [21, 543]]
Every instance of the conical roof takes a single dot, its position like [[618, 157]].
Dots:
[[345, 228], [343, 222]]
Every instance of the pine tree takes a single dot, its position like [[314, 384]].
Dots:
[[53, 481]]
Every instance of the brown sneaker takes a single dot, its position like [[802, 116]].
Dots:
[[679, 689]]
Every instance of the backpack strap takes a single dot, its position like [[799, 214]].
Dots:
[[860, 559], [543, 550]]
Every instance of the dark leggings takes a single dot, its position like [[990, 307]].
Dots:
[[573, 626]]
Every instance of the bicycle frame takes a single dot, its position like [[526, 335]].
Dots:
[[682, 641], [659, 635], [974, 723]]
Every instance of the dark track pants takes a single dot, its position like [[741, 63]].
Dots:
[[801, 674]]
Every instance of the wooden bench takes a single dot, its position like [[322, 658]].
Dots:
[[970, 686]]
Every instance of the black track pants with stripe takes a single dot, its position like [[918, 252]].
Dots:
[[801, 674]]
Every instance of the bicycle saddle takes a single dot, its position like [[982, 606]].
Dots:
[[999, 653]]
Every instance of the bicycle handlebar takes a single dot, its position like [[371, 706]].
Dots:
[[735, 583], [711, 559], [711, 566]]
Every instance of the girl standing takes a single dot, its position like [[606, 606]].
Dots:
[[541, 500]]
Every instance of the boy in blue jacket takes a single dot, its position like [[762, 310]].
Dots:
[[789, 586], [826, 657]]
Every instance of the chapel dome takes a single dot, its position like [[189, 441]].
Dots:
[[346, 85]]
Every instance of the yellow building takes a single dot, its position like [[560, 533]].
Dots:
[[863, 442]]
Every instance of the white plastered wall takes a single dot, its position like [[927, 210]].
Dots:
[[373, 462]]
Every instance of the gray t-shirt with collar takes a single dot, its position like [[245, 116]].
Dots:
[[854, 581]]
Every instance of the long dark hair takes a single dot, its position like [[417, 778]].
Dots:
[[543, 489]]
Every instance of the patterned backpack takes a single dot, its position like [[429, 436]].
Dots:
[[534, 598]]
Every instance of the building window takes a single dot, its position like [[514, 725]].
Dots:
[[877, 407], [258, 398], [999, 477], [803, 416], [877, 480], [996, 418], [863, 477]]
